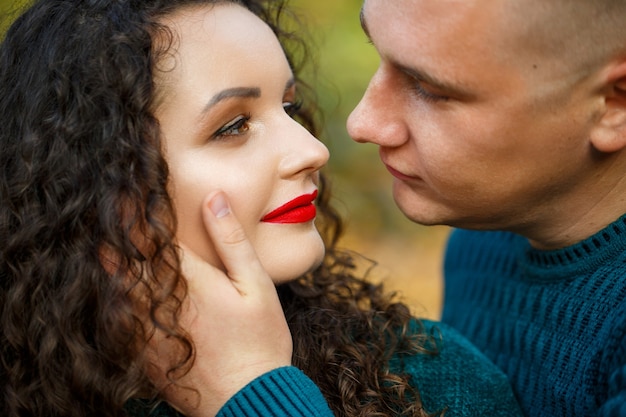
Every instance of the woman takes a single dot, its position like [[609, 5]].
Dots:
[[119, 117]]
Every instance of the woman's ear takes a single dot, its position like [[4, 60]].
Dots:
[[609, 135]]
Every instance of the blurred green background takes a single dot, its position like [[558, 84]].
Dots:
[[409, 255]]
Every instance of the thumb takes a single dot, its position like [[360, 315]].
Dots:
[[232, 245]]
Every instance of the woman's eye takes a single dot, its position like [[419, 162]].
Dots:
[[236, 127], [292, 108]]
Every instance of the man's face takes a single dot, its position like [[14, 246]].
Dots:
[[476, 130]]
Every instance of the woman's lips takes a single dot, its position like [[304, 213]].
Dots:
[[298, 210]]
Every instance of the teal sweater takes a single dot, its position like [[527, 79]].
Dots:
[[553, 321], [459, 378]]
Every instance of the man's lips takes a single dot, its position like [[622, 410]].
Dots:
[[384, 158], [298, 210], [398, 174]]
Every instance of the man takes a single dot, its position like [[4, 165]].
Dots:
[[510, 116]]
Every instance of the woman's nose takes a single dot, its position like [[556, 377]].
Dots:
[[305, 153]]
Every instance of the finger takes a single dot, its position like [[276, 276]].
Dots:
[[231, 243], [193, 266]]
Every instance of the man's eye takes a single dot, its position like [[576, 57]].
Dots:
[[426, 95], [292, 108], [236, 127]]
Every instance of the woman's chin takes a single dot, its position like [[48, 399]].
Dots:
[[292, 271]]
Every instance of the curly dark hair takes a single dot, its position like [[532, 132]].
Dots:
[[89, 264]]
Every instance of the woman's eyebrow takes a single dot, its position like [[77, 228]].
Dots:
[[242, 92], [245, 92]]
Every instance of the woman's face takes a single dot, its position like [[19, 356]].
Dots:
[[226, 90]]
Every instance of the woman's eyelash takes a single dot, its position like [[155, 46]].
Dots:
[[236, 127], [239, 125], [292, 108]]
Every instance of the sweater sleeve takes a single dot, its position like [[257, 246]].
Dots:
[[615, 406], [459, 378], [283, 392]]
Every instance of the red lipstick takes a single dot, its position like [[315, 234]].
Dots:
[[298, 210]]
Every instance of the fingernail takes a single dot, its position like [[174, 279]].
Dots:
[[219, 206]]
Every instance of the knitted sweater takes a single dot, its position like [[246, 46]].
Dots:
[[459, 379], [553, 321], [283, 392]]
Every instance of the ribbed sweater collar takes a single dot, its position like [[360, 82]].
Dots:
[[581, 258]]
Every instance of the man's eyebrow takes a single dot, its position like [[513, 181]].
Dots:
[[445, 87], [244, 92], [415, 73]]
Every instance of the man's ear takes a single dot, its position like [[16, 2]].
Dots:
[[609, 135]]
